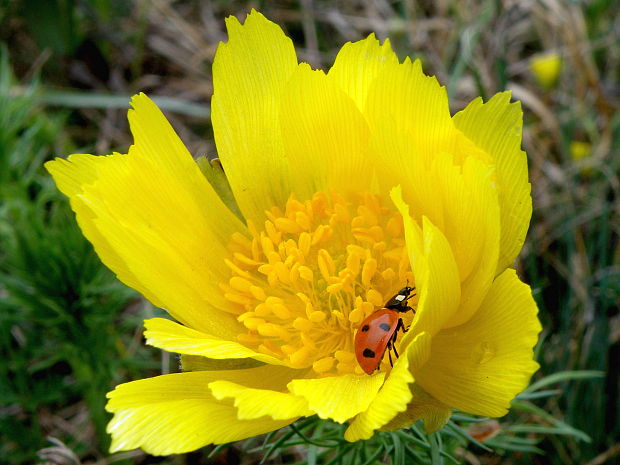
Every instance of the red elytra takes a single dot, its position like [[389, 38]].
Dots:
[[379, 331]]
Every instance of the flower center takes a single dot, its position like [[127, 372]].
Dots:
[[303, 283]]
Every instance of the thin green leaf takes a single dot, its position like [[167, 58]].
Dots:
[[72, 99], [312, 441], [277, 444], [564, 376], [539, 394], [433, 440], [568, 430], [464, 434], [374, 456], [398, 455]]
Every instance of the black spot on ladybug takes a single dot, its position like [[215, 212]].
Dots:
[[384, 326], [368, 353], [365, 328]]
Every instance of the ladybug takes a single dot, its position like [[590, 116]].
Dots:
[[379, 331]]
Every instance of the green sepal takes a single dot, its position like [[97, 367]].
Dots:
[[198, 363], [214, 172], [422, 407]]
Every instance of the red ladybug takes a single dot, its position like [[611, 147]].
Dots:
[[379, 331]]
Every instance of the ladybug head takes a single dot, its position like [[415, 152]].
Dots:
[[399, 301], [405, 291]]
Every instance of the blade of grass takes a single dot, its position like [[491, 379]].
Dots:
[[464, 434], [567, 429], [564, 376], [71, 99]]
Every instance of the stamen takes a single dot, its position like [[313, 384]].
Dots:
[[368, 271], [303, 284], [374, 297], [323, 365]]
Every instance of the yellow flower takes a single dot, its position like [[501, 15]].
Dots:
[[580, 150], [546, 68], [351, 184]]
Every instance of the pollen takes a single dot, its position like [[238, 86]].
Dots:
[[302, 282]]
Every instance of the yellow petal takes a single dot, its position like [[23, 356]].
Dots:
[[70, 176], [472, 228], [395, 394], [173, 337], [436, 183], [155, 220], [496, 127], [435, 270], [325, 136], [422, 407], [176, 413], [410, 121], [463, 204], [418, 146], [357, 65], [249, 74], [339, 397], [155, 139], [481, 366], [253, 403]]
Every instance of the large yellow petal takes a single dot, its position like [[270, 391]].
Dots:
[[496, 127], [395, 394], [435, 271], [325, 136], [249, 75], [155, 220], [410, 122], [481, 366], [423, 407], [464, 206], [253, 403], [155, 139], [461, 200], [358, 64], [419, 147], [70, 176], [177, 413], [173, 337], [338, 397]]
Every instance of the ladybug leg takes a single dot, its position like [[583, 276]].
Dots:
[[393, 340], [395, 351], [390, 346], [408, 308]]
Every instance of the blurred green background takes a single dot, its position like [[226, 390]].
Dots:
[[69, 331]]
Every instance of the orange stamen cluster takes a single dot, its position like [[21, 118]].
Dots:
[[303, 282]]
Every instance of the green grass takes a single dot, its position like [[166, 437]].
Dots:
[[69, 331], [60, 332]]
